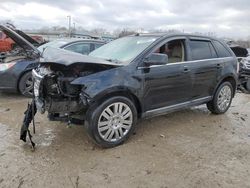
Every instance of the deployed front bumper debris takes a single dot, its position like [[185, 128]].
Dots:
[[29, 116]]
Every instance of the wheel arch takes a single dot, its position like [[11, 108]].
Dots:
[[125, 92], [20, 77], [228, 78]]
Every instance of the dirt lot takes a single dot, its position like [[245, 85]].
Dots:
[[190, 148]]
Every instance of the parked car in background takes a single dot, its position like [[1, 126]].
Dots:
[[31, 39], [82, 46], [134, 77], [7, 44], [17, 63], [38, 38]]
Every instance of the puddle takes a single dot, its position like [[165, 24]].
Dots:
[[48, 137]]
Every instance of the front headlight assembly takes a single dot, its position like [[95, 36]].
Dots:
[[6, 66]]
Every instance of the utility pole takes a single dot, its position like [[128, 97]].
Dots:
[[74, 27], [69, 17]]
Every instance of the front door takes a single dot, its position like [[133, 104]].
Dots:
[[170, 84]]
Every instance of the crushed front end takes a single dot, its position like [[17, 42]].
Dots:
[[60, 84], [244, 74], [54, 93]]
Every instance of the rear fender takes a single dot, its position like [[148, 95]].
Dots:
[[226, 78]]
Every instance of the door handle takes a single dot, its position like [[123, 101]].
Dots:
[[186, 69], [219, 66]]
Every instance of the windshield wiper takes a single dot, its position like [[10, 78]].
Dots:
[[113, 60]]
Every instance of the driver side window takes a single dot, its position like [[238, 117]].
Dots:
[[175, 50]]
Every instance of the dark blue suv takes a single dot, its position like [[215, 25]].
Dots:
[[135, 77]]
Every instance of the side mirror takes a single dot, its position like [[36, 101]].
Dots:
[[156, 59]]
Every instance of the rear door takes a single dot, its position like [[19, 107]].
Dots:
[[204, 67]]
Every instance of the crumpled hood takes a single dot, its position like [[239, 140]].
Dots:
[[67, 58]]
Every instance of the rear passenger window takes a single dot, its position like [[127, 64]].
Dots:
[[221, 50], [202, 50], [213, 52]]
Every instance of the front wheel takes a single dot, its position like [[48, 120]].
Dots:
[[112, 122], [26, 85], [222, 99]]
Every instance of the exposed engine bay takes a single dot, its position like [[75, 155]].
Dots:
[[17, 46], [244, 67], [13, 55], [54, 92], [244, 74]]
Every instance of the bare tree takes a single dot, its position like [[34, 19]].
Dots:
[[99, 31], [124, 32]]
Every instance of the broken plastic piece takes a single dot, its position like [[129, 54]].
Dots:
[[29, 116]]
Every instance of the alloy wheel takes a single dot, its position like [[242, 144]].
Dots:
[[28, 86], [115, 122], [224, 98]]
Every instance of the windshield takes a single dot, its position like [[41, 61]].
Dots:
[[55, 44], [123, 49]]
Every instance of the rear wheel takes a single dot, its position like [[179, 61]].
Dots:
[[112, 122], [26, 85], [222, 99]]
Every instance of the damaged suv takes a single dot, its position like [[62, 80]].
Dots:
[[134, 77]]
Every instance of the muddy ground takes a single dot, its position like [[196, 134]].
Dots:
[[190, 148]]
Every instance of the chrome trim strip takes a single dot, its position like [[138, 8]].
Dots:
[[179, 105], [185, 62]]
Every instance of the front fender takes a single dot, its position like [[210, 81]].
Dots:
[[24, 67], [105, 82]]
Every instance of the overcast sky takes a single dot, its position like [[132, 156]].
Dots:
[[227, 18]]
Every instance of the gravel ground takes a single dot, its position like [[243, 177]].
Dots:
[[190, 148]]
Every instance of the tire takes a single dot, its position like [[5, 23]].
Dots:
[[222, 99], [112, 122], [25, 85], [248, 85]]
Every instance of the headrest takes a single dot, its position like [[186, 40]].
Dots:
[[177, 51]]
